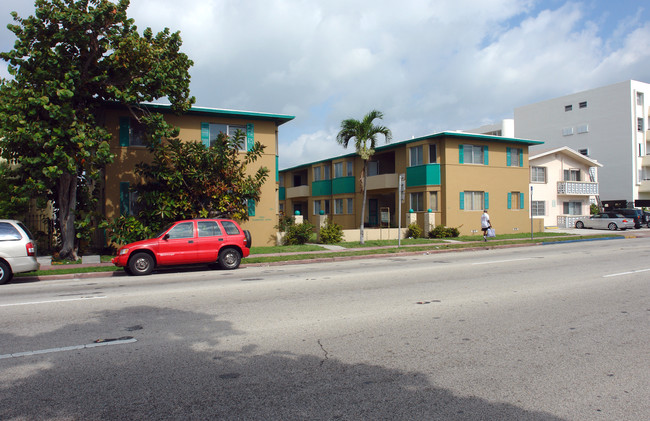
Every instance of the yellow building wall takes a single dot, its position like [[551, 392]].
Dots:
[[261, 226]]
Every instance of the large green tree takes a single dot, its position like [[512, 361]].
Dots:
[[365, 134], [68, 60]]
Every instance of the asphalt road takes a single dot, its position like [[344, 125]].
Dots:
[[557, 332]]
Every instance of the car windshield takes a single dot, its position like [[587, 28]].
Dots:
[[162, 231]]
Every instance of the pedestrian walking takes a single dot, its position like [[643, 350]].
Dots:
[[485, 224]]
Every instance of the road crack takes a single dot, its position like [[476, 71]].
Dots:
[[324, 352]]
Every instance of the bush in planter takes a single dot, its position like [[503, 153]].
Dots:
[[331, 233], [298, 234], [440, 231], [414, 231]]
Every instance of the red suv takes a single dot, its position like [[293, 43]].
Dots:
[[196, 241]]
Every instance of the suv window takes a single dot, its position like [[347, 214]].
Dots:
[[8, 232], [183, 230], [209, 229], [231, 229]]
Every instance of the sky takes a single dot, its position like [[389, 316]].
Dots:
[[427, 65]]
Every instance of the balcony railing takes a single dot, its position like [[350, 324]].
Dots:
[[383, 181], [577, 188], [568, 221], [299, 191]]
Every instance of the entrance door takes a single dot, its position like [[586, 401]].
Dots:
[[373, 212]]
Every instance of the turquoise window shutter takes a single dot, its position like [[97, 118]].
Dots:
[[521, 157], [277, 168], [508, 157], [509, 200], [521, 201], [124, 198], [250, 136], [125, 129], [462, 200], [205, 134], [486, 161], [461, 157], [486, 200], [251, 207]]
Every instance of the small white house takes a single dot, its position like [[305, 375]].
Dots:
[[564, 184]]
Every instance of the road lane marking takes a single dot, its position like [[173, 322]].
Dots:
[[625, 273], [503, 261], [52, 301], [68, 348]]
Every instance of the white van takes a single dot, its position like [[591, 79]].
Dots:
[[17, 249]]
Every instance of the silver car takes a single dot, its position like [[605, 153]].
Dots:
[[17, 249], [607, 220]]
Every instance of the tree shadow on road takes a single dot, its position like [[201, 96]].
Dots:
[[179, 369]]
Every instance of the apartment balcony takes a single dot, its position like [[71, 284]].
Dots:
[[577, 188], [383, 181], [645, 161], [298, 191], [644, 187]]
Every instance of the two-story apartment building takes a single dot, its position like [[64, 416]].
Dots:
[[455, 175], [564, 184], [198, 124]]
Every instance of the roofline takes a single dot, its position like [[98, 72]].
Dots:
[[457, 134], [569, 151]]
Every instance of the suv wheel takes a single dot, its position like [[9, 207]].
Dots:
[[140, 264], [229, 258], [5, 273]]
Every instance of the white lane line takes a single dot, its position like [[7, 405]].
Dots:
[[68, 348], [625, 273], [53, 301], [503, 261]]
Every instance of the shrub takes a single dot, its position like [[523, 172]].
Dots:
[[285, 222], [125, 229], [440, 231], [298, 234], [414, 231], [331, 233]]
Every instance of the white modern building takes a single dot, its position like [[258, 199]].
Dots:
[[563, 185], [608, 123]]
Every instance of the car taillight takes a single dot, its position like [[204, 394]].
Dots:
[[31, 250]]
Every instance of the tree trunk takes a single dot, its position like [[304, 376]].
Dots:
[[67, 207], [363, 203]]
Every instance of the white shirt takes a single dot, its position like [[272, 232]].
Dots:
[[485, 220]]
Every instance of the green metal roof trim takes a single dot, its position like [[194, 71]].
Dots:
[[463, 135], [278, 118]]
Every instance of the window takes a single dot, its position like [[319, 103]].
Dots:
[[229, 130], [433, 201], [473, 154], [317, 176], [572, 208], [338, 169], [583, 128], [338, 206], [639, 98], [433, 154], [416, 156], [350, 168], [182, 230], [8, 232], [230, 227], [568, 107], [515, 200], [317, 208], [567, 131], [514, 157], [350, 206], [571, 175], [538, 208], [373, 168], [584, 151], [639, 124], [208, 228], [538, 174], [326, 172], [473, 200], [417, 202], [131, 132], [129, 204], [327, 206], [583, 104]]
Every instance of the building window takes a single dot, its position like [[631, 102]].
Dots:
[[583, 128], [515, 200], [230, 130], [433, 154], [338, 170], [350, 168], [433, 201], [583, 104], [129, 204], [571, 175], [572, 208], [567, 131], [584, 151], [327, 206], [350, 206], [538, 208], [317, 207], [514, 157], [417, 202], [639, 124], [473, 200], [317, 174], [473, 154], [326, 172], [568, 107], [538, 174], [131, 132], [338, 206], [416, 156], [639, 98]]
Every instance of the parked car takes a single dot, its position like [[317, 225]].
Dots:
[[197, 241], [634, 214], [647, 218], [17, 249], [606, 220]]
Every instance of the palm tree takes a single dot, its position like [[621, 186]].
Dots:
[[365, 138]]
